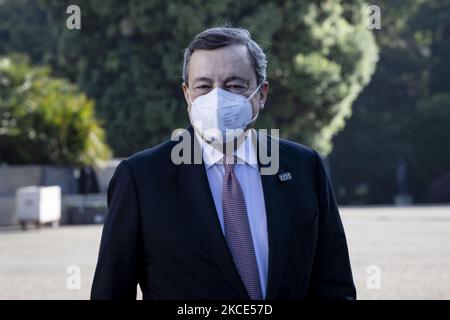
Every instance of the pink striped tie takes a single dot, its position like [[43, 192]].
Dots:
[[237, 231]]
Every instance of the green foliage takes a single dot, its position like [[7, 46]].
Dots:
[[25, 27], [323, 56], [45, 120], [430, 129], [128, 56], [403, 114]]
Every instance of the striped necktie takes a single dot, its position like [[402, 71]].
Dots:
[[237, 231]]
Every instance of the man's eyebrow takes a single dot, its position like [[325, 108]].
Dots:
[[236, 78], [202, 79]]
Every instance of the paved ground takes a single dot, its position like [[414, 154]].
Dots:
[[408, 247]]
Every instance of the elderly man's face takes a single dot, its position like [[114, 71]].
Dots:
[[228, 68]]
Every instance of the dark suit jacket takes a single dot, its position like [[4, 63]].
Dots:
[[162, 232]]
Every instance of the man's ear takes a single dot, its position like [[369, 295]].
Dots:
[[186, 94], [264, 90]]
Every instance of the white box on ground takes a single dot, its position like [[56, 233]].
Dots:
[[38, 204]]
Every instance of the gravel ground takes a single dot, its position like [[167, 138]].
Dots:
[[409, 248]]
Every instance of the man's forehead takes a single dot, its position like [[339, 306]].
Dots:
[[224, 63]]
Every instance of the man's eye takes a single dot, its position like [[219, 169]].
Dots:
[[203, 87], [237, 87]]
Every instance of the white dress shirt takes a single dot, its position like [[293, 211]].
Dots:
[[248, 175]]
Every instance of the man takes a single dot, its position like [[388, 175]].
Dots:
[[220, 229]]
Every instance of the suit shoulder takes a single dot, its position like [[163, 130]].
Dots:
[[297, 150], [151, 156]]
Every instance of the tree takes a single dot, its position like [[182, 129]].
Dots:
[[45, 120], [128, 56], [402, 115]]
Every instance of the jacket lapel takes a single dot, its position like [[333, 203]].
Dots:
[[278, 197], [197, 200]]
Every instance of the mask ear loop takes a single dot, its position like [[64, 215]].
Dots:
[[256, 90], [248, 99], [189, 93]]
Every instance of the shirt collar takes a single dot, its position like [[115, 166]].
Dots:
[[245, 153]]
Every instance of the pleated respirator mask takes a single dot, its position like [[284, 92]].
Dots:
[[220, 116]]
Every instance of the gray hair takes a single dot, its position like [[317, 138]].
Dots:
[[214, 38]]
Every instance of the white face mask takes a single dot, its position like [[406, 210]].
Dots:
[[220, 116]]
